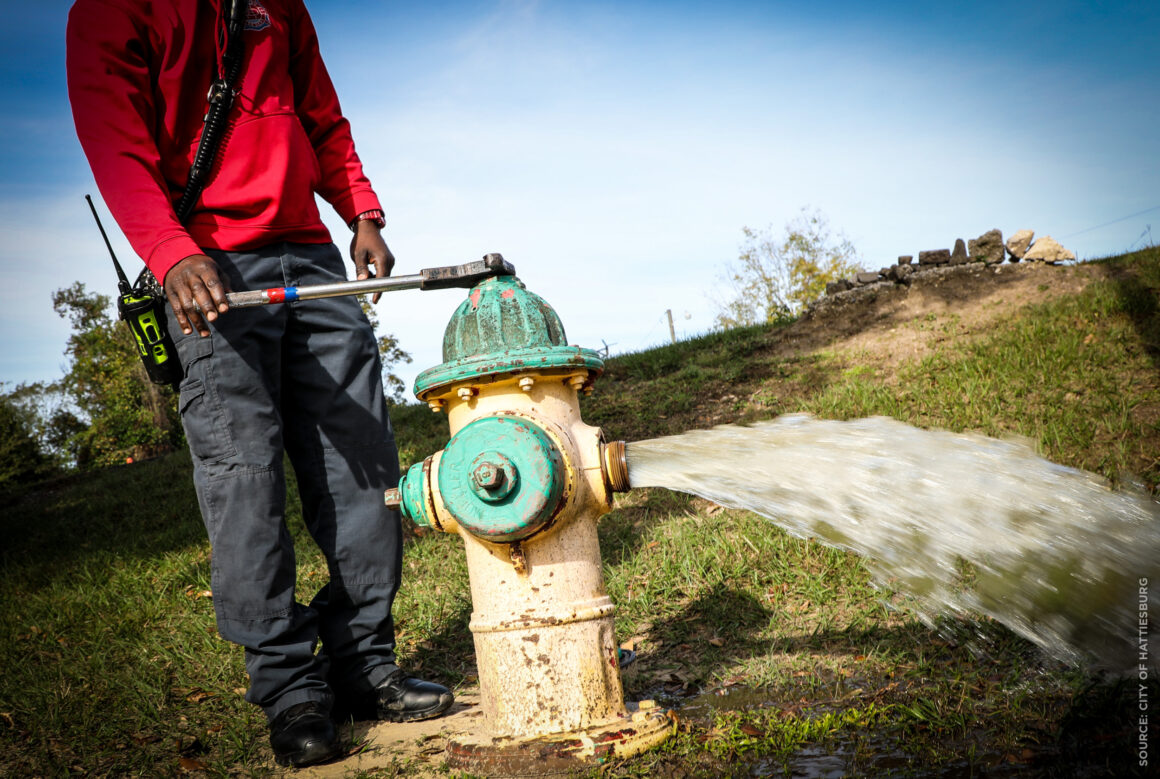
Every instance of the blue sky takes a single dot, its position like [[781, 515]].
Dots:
[[613, 151]]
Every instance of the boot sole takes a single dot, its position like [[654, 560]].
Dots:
[[313, 754], [443, 705]]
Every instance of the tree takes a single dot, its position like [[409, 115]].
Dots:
[[774, 278], [51, 420], [390, 353], [127, 415], [21, 458]]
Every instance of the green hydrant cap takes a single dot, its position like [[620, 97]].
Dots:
[[502, 328], [501, 478], [412, 495]]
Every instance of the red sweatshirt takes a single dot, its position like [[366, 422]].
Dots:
[[138, 72]]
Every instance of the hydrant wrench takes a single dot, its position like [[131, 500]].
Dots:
[[445, 277]]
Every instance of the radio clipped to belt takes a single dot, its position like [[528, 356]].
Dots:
[[144, 311]]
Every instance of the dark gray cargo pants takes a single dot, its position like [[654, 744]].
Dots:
[[302, 378]]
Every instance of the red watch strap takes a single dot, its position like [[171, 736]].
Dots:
[[374, 215]]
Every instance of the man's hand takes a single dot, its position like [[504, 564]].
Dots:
[[196, 280], [368, 248]]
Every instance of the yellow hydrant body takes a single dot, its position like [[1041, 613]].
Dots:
[[523, 481], [549, 624]]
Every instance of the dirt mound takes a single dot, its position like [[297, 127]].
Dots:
[[870, 320]]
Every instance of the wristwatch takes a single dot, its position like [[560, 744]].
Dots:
[[374, 215]]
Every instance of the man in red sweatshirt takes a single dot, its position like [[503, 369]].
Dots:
[[302, 378]]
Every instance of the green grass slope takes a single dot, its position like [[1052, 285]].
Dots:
[[778, 655]]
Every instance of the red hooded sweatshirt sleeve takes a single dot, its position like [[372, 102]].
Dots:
[[138, 71]]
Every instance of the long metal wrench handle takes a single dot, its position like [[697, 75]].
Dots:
[[444, 277]]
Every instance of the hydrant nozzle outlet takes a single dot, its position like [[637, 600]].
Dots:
[[614, 463]]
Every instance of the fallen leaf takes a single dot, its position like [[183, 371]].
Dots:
[[1090, 337], [751, 730], [205, 594], [199, 696], [715, 641], [631, 644], [191, 764]]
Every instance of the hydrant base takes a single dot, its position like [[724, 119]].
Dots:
[[560, 753]]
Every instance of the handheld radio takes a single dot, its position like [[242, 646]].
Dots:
[[144, 313]]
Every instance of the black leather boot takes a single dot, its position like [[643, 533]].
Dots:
[[303, 735], [402, 698]]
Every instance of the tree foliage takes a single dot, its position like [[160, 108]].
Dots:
[[774, 277], [50, 419], [391, 354], [127, 415], [21, 458]]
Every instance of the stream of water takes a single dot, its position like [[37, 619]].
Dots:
[[1054, 553]]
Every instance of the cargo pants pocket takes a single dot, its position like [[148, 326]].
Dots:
[[202, 412]]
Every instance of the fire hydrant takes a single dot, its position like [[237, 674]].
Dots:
[[522, 481]]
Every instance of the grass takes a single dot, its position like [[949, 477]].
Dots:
[[1077, 375], [779, 655]]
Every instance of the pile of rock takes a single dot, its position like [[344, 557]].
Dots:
[[987, 249]]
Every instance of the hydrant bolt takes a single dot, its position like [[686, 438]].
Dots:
[[487, 477], [493, 476]]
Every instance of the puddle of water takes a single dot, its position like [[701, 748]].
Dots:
[[815, 763], [702, 707], [1057, 556]]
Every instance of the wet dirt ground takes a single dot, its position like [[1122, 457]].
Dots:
[[413, 749]]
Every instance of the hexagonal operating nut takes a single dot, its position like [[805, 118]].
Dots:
[[493, 476], [487, 476]]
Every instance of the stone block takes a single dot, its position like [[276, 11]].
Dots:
[[959, 255], [1017, 244], [900, 273], [1049, 250], [987, 248]]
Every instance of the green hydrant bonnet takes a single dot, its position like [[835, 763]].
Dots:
[[502, 328]]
